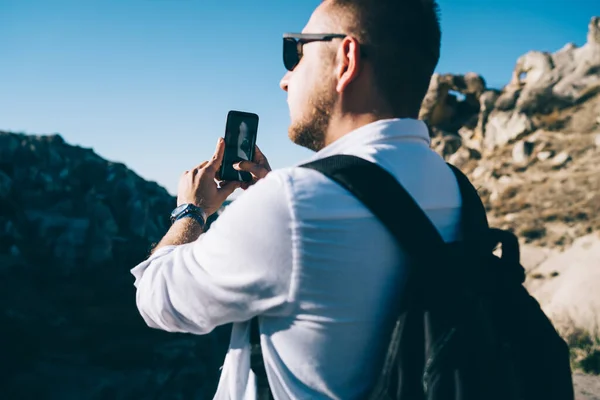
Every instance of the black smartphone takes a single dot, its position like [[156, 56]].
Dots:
[[240, 138]]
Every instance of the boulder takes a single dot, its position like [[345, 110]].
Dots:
[[504, 127], [487, 100], [452, 101], [560, 160], [544, 155], [522, 152]]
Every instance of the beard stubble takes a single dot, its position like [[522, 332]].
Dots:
[[310, 132]]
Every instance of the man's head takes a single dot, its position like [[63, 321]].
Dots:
[[380, 67]]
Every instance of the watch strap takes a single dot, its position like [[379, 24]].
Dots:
[[192, 211], [191, 214]]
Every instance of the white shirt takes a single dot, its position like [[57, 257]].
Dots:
[[312, 261]]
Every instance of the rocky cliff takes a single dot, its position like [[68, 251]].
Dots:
[[532, 149], [72, 225]]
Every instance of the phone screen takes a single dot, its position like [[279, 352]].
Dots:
[[240, 138]]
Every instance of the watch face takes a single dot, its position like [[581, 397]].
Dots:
[[178, 210]]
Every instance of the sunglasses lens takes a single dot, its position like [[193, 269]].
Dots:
[[291, 58]]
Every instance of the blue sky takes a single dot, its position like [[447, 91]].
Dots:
[[149, 82]]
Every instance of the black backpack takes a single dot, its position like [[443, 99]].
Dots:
[[466, 329]]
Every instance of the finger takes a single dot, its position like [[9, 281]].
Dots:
[[258, 155], [202, 165], [245, 185], [199, 167], [260, 159], [217, 158], [256, 170]]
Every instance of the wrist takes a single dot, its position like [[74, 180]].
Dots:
[[189, 211], [182, 231]]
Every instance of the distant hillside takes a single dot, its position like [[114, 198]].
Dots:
[[71, 226]]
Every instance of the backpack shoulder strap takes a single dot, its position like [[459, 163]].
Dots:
[[386, 198], [473, 214]]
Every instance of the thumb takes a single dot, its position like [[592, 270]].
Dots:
[[256, 170]]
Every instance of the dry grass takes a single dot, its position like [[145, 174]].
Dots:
[[541, 204], [584, 349]]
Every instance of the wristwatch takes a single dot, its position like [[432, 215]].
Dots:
[[189, 211]]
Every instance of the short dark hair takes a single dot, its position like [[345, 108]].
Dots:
[[401, 39]]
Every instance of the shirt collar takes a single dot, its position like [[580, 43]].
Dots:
[[384, 129]]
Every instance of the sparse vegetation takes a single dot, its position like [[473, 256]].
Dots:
[[543, 206], [584, 350]]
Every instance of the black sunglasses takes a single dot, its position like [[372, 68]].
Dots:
[[293, 42]]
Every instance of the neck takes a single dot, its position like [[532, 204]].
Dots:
[[345, 124]]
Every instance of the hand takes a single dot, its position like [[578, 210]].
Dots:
[[199, 187], [259, 168]]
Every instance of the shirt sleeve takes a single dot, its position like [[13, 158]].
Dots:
[[241, 267]]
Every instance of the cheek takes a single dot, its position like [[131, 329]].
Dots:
[[300, 87]]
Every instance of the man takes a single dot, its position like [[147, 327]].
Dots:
[[296, 249]]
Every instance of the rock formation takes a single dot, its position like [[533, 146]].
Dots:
[[546, 92]]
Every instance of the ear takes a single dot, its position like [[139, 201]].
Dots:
[[349, 63]]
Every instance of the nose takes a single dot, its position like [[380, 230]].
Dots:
[[284, 81]]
